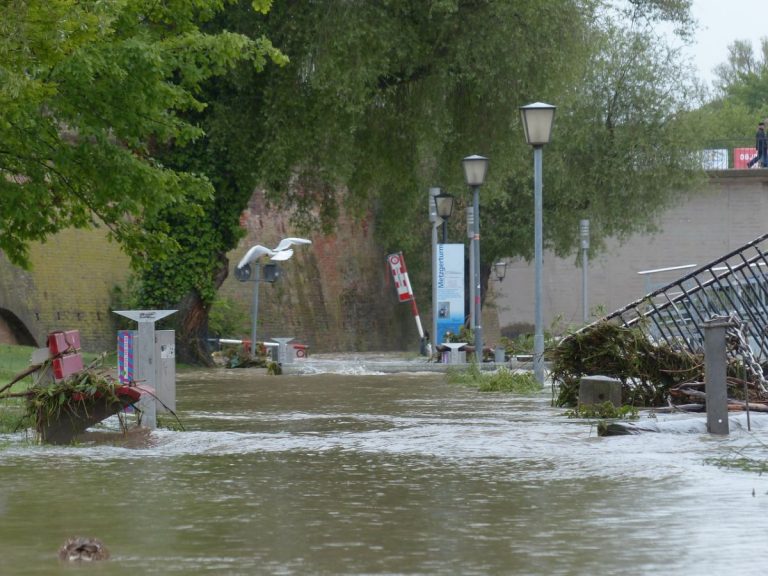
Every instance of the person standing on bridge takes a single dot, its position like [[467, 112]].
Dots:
[[761, 143]]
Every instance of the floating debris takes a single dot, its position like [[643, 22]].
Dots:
[[79, 549], [646, 369]]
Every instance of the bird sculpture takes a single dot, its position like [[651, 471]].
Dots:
[[282, 251], [79, 549], [286, 243], [258, 251]]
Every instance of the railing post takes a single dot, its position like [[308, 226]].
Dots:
[[715, 367]]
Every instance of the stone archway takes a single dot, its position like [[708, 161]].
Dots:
[[13, 331]]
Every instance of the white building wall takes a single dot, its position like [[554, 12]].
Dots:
[[729, 211]]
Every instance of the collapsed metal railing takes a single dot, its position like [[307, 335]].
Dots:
[[735, 284]]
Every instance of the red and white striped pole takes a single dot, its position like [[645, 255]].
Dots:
[[403, 286]]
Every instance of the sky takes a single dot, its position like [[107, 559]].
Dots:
[[720, 23]]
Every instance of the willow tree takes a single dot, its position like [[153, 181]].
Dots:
[[381, 100]]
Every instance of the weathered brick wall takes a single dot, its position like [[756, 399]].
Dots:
[[333, 294], [68, 287]]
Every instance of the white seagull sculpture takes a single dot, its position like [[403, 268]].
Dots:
[[286, 243], [281, 252]]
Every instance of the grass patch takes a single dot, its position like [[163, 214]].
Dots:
[[14, 412], [13, 359], [501, 380], [740, 463], [13, 416]]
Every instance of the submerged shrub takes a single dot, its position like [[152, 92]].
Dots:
[[501, 380]]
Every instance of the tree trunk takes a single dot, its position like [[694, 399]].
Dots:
[[192, 346]]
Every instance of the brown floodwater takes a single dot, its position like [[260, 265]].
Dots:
[[332, 473]]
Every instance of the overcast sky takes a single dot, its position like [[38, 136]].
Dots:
[[720, 23]]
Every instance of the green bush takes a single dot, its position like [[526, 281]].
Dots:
[[603, 411], [501, 380], [504, 380], [227, 318]]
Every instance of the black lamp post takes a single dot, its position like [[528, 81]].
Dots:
[[444, 208]]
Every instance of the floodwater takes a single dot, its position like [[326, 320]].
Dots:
[[333, 473]]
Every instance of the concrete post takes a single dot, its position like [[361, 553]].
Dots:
[[284, 355], [715, 365], [596, 390], [455, 355]]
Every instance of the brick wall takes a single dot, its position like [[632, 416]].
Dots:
[[68, 287], [333, 294]]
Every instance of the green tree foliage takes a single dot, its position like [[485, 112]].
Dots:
[[728, 118], [621, 152], [744, 76], [382, 99], [89, 91]]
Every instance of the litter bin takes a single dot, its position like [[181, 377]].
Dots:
[[499, 355]]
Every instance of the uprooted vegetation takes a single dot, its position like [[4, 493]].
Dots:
[[46, 401], [652, 374]]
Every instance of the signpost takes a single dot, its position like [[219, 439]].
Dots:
[[403, 286], [450, 290]]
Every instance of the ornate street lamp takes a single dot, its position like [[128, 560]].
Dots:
[[475, 168], [537, 123]]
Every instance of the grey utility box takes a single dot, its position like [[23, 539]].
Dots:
[[165, 373], [595, 390]]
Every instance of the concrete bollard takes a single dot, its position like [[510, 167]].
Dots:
[[596, 390], [715, 369], [284, 355]]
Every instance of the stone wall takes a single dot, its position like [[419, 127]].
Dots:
[[729, 211]]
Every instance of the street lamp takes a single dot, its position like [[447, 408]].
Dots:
[[244, 271], [444, 208], [500, 269], [537, 123], [475, 168]]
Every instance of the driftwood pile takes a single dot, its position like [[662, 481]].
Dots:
[[652, 374], [742, 395]]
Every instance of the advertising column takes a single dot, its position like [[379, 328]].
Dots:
[[450, 290]]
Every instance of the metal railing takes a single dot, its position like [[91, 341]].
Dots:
[[736, 283], [730, 154]]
